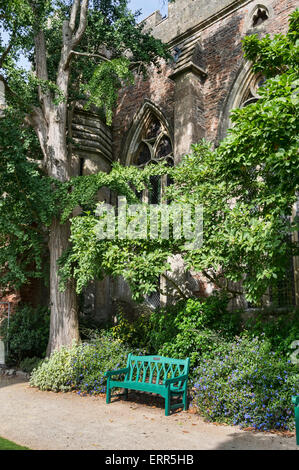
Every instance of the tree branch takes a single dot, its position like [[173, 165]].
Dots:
[[42, 69], [70, 40], [86, 54], [74, 12], [219, 285], [7, 50], [82, 23], [37, 121], [9, 90]]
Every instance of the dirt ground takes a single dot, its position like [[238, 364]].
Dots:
[[65, 421]]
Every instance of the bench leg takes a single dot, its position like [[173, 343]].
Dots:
[[108, 392], [126, 392], [167, 403], [297, 423], [185, 400]]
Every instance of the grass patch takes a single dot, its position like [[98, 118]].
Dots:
[[8, 445]]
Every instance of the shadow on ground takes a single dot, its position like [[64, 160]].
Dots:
[[147, 399], [6, 381], [257, 441]]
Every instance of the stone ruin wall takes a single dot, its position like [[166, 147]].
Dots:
[[193, 100]]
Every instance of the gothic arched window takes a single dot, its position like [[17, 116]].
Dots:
[[154, 146], [245, 92], [282, 291]]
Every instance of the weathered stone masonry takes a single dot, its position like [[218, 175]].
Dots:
[[192, 92]]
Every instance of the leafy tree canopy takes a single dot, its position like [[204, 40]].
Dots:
[[112, 50]]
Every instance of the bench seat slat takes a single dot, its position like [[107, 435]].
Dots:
[[143, 387]]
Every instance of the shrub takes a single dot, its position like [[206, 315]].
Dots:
[[192, 344], [243, 382], [82, 366], [93, 359], [88, 324], [55, 372], [279, 330], [30, 363], [185, 328], [192, 328], [27, 335], [132, 331]]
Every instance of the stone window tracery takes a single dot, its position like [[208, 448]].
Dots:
[[155, 146], [261, 14], [251, 95]]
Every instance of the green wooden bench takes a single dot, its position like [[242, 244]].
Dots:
[[155, 374], [295, 400]]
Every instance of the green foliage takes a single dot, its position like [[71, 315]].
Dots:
[[93, 359], [92, 256], [55, 373], [30, 363], [105, 82], [242, 382], [135, 331], [192, 328], [276, 55], [26, 203], [27, 334], [82, 366], [278, 330]]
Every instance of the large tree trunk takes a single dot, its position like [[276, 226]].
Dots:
[[64, 327], [50, 123]]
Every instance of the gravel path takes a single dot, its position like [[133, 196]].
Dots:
[[48, 420]]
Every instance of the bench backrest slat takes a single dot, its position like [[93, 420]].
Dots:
[[155, 369]]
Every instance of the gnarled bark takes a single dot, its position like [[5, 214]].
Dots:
[[64, 327]]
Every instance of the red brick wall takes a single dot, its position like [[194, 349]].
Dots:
[[221, 43], [224, 56]]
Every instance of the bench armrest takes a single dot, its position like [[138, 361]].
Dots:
[[180, 378], [109, 373]]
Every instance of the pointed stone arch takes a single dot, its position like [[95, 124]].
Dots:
[[145, 116], [243, 91], [150, 140], [258, 16]]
